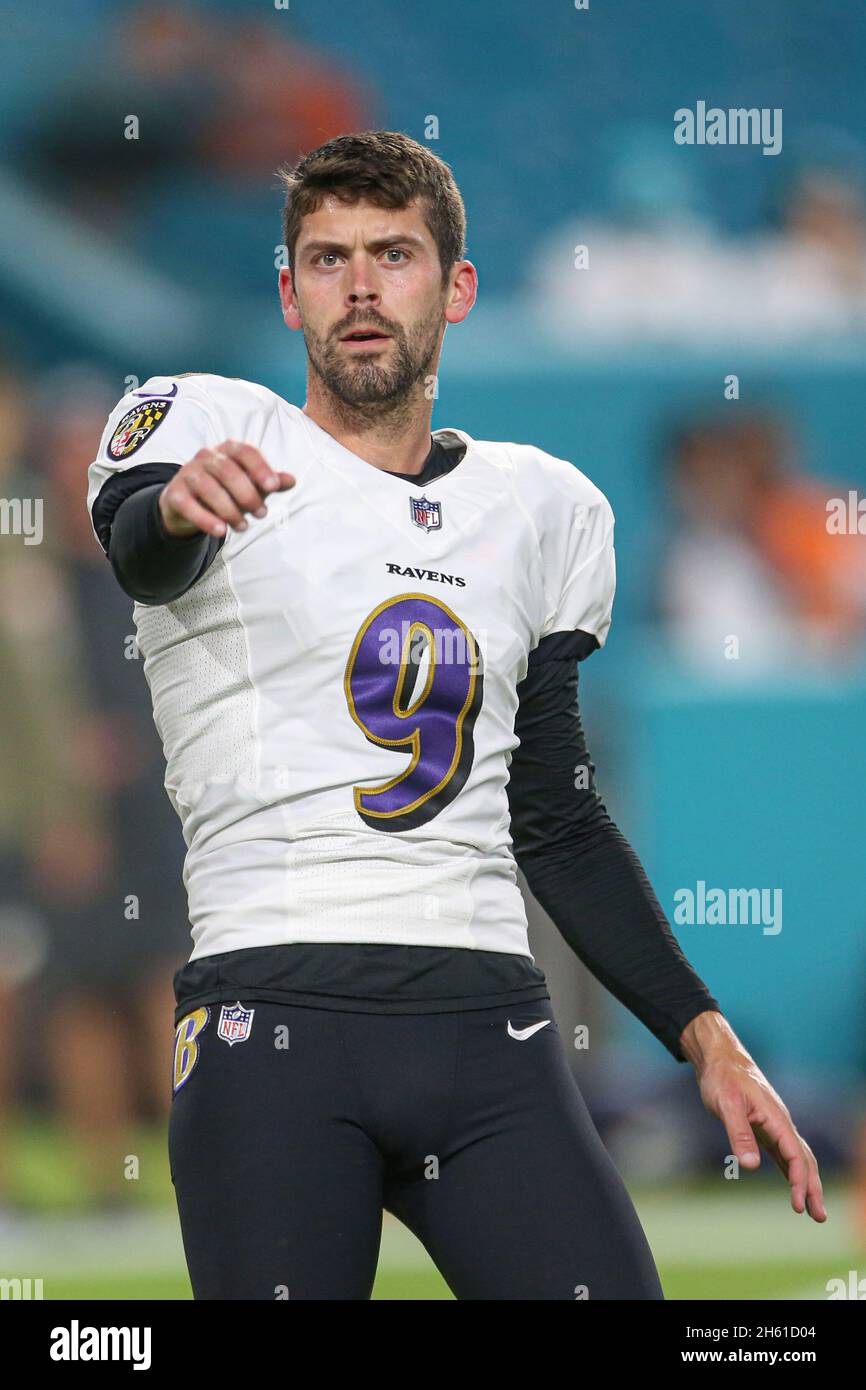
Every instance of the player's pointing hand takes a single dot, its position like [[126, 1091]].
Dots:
[[216, 488]]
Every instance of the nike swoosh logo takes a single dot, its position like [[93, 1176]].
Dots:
[[521, 1034], [164, 394]]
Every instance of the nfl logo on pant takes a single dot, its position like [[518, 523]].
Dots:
[[235, 1023]]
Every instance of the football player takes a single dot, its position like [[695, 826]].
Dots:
[[362, 640]]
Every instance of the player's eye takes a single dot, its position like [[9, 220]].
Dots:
[[395, 251], [323, 254]]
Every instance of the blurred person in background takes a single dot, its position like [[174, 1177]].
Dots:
[[213, 93], [157, 67], [46, 817], [276, 96], [117, 917], [645, 268], [752, 558], [814, 270], [656, 266]]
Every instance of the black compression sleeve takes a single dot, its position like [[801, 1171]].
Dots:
[[152, 566], [578, 864]]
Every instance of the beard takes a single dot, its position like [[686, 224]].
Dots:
[[360, 380]]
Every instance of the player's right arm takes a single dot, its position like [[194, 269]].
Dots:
[[217, 488], [166, 486], [165, 536]]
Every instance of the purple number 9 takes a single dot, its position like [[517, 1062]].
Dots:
[[434, 724]]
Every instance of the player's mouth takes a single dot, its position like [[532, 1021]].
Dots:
[[363, 339]]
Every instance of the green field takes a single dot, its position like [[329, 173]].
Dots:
[[711, 1241]]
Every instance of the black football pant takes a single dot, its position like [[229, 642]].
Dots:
[[285, 1147]]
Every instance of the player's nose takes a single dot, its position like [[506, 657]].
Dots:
[[361, 283], [362, 296]]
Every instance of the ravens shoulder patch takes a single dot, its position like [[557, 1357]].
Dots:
[[137, 425]]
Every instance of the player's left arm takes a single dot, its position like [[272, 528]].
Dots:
[[587, 877], [591, 883], [578, 863]]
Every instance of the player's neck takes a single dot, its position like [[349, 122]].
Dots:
[[395, 440]]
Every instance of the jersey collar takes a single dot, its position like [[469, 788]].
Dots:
[[325, 446]]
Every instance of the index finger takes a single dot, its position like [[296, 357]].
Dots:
[[256, 466], [744, 1145]]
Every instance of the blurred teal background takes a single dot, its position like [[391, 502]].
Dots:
[[125, 258], [140, 263]]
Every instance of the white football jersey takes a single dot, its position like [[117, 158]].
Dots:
[[336, 695]]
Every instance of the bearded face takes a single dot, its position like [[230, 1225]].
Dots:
[[375, 370]]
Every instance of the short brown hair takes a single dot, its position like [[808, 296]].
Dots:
[[387, 168]]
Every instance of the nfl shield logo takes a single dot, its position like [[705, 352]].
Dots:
[[426, 514], [235, 1023]]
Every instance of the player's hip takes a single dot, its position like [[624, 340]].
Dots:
[[262, 1064]]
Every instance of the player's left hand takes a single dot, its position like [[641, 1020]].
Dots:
[[734, 1089]]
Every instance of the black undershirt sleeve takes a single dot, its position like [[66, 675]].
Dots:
[[578, 864], [151, 566]]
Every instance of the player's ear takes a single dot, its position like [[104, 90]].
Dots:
[[462, 293], [291, 316]]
